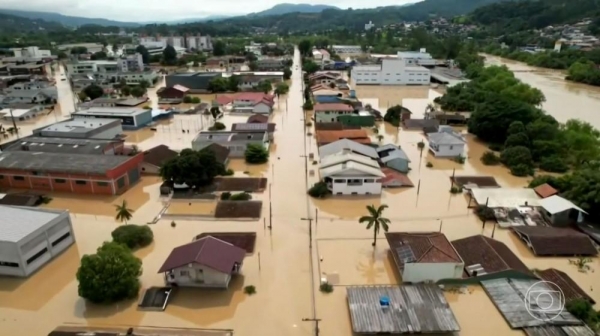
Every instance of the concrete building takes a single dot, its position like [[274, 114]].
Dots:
[[91, 67], [421, 58], [21, 112], [360, 118], [32, 52], [270, 64], [34, 86], [113, 102], [561, 212], [131, 118], [131, 63], [347, 173], [392, 71], [39, 144], [197, 82], [82, 128], [248, 102], [347, 49], [66, 172], [91, 47], [369, 26], [131, 69], [202, 43], [31, 237], [345, 145], [234, 141], [155, 157]]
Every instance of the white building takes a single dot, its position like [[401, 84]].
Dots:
[[347, 173], [421, 57], [369, 26], [90, 67], [91, 47], [424, 256], [446, 142], [21, 114], [82, 128], [31, 237], [177, 41], [129, 63], [153, 44], [43, 87], [33, 52], [399, 71], [114, 71], [347, 49]]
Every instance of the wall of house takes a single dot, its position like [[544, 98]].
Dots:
[[357, 120], [355, 185], [398, 164], [10, 260], [421, 272], [200, 276], [330, 116], [447, 150], [236, 148]]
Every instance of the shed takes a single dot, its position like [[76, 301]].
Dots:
[[560, 211]]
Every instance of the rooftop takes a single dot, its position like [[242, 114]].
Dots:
[[18, 222], [571, 290], [158, 155], [59, 145], [411, 309], [229, 136], [421, 247], [221, 152], [390, 152], [552, 241], [333, 107], [264, 127], [469, 182], [347, 156], [345, 144], [258, 118], [505, 197], [556, 204], [61, 162], [79, 125], [445, 138], [111, 111], [545, 190], [392, 175], [359, 135]]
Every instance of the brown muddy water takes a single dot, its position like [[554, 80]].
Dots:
[[284, 269]]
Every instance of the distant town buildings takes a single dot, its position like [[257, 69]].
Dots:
[[347, 49], [197, 42], [369, 26], [403, 70], [33, 52]]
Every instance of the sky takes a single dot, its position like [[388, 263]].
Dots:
[[169, 10]]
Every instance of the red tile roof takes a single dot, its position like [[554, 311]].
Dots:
[[545, 190], [333, 107], [208, 251], [426, 247], [258, 118], [569, 287], [252, 96], [358, 135], [224, 100], [391, 175]]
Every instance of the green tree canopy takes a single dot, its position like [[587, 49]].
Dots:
[[170, 55], [375, 220], [93, 91], [133, 236], [219, 48], [144, 52], [256, 154], [194, 168]]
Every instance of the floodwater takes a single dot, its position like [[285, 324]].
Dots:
[[309, 239]]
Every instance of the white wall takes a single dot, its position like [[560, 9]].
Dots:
[[447, 150], [9, 252], [392, 72], [200, 276], [262, 109], [420, 272], [373, 188]]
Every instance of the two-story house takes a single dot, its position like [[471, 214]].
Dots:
[[325, 113], [347, 173], [236, 142]]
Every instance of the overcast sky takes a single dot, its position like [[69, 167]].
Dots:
[[168, 10]]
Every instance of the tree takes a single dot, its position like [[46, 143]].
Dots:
[[516, 155], [187, 99], [305, 46], [256, 154], [319, 190], [375, 220], [265, 86], [218, 84], [123, 212], [194, 168], [125, 90], [516, 127], [110, 275], [79, 50], [287, 73], [253, 66], [217, 127], [310, 67], [100, 55], [215, 112], [195, 100], [62, 55], [517, 139], [219, 48], [93, 91], [138, 91], [133, 236], [170, 55], [394, 115], [489, 158], [233, 83], [307, 105], [144, 84], [281, 89], [144, 52]]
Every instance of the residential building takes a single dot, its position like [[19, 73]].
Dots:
[[131, 63], [206, 262], [254, 127], [39, 144], [155, 157], [33, 52], [236, 142], [345, 145], [91, 47], [29, 97], [347, 173], [393, 157], [199, 42], [360, 118], [347, 49], [561, 212], [197, 82], [131, 78], [91, 67], [130, 69], [31, 237], [399, 310], [272, 76], [131, 118], [21, 112], [545, 190], [331, 112], [446, 142], [258, 119], [545, 241], [323, 78], [249, 102], [249, 82], [34, 86], [65, 172], [27, 69], [174, 93], [357, 135], [395, 179], [424, 256], [270, 64], [391, 71], [569, 287]]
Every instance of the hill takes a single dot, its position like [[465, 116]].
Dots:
[[286, 8], [69, 21], [11, 24]]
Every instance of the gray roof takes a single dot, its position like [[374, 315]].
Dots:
[[26, 93], [445, 138], [18, 222], [79, 125], [59, 145], [559, 331], [248, 136], [412, 309], [508, 295], [111, 111], [390, 152], [60, 162], [339, 145]]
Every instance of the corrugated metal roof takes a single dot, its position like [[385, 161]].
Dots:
[[444, 138], [18, 222], [342, 167], [412, 309], [555, 204], [338, 146], [343, 157]]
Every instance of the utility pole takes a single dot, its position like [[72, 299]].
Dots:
[[316, 320], [14, 123], [309, 231]]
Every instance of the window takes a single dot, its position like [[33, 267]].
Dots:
[[60, 180], [369, 180], [105, 184], [35, 173], [1, 177], [184, 273], [339, 181], [80, 182], [61, 238], [19, 178], [8, 264], [451, 147], [121, 182], [37, 255]]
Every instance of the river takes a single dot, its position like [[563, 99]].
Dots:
[[564, 99]]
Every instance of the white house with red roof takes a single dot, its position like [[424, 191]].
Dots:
[[251, 102]]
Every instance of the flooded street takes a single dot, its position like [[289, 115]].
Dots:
[[290, 258]]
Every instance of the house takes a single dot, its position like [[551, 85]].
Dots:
[[322, 78], [27, 69], [561, 212], [391, 71], [360, 118], [393, 157], [196, 82], [82, 128], [20, 111], [545, 190], [395, 179], [155, 157], [236, 142], [399, 310], [36, 86], [221, 153], [446, 144], [29, 97], [347, 145], [487, 258], [249, 82], [65, 172], [207, 262], [569, 287], [424, 256], [258, 119], [347, 49], [331, 112], [31, 237], [253, 102], [347, 173], [270, 64], [551, 241], [425, 125], [246, 127], [172, 93], [114, 102], [357, 135]]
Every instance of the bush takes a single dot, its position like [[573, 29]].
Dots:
[[459, 159], [243, 196], [420, 145], [326, 287], [133, 236], [308, 124], [307, 105], [456, 190], [496, 147], [217, 127], [580, 308], [429, 165], [485, 213], [195, 100], [490, 158], [516, 155], [521, 170], [228, 172], [554, 164], [147, 107], [250, 290], [319, 190], [225, 196], [110, 275], [256, 154], [187, 99], [518, 139]]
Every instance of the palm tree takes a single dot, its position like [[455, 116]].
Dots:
[[375, 220], [123, 212]]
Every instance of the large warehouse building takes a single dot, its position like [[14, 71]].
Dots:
[[31, 237]]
